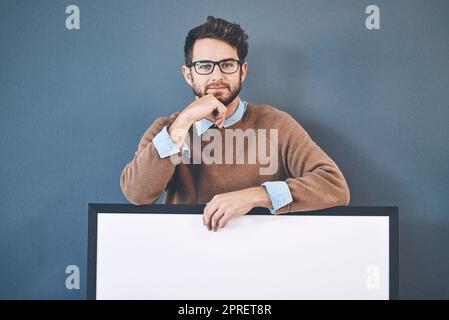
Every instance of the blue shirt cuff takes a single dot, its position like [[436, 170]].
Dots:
[[165, 145], [279, 194]]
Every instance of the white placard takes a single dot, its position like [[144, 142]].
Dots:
[[173, 256]]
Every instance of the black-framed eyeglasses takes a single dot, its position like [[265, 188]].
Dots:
[[227, 66]]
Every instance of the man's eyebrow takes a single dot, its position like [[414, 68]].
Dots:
[[208, 60]]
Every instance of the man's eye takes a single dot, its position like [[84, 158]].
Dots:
[[204, 66], [226, 65]]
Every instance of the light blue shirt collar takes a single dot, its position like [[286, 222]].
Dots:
[[204, 124]]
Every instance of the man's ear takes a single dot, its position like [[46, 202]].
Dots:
[[187, 74], [244, 70]]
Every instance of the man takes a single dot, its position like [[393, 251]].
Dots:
[[304, 177]]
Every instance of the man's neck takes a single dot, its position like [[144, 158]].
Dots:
[[232, 107]]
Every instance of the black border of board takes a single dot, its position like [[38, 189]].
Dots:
[[95, 208]]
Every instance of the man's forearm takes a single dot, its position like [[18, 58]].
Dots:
[[179, 129]]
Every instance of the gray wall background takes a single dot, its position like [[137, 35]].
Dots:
[[74, 104]]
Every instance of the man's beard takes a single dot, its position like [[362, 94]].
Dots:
[[226, 101]]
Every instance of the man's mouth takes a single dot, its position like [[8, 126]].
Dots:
[[216, 89]]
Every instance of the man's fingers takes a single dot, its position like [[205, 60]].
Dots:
[[223, 221], [222, 111], [215, 218], [209, 210], [218, 106], [219, 122], [220, 119]]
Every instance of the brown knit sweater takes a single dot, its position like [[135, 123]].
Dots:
[[314, 180]]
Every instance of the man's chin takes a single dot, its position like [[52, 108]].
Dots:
[[226, 100], [219, 95]]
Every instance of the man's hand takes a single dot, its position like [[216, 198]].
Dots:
[[225, 206], [207, 107]]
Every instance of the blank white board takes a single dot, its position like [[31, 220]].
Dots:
[[174, 256]]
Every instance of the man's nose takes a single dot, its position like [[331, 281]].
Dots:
[[216, 73]]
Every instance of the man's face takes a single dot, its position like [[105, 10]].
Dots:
[[225, 87]]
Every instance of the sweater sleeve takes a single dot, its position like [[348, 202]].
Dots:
[[145, 178], [314, 179]]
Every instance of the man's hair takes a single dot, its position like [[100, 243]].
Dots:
[[220, 29]]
